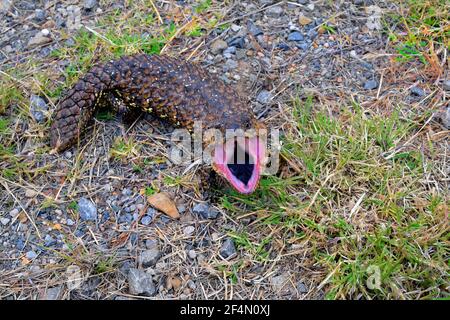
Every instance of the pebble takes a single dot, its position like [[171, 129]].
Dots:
[[312, 34], [279, 282], [253, 28], [127, 192], [31, 255], [53, 293], [148, 258], [14, 212], [49, 241], [446, 85], [301, 287], [303, 46], [38, 106], [296, 36], [39, 15], [140, 282], [205, 211], [30, 193], [228, 249], [235, 27], [4, 221], [188, 230], [229, 51], [5, 5], [230, 64], [192, 254], [87, 210], [237, 42], [417, 91], [146, 220], [446, 118], [218, 46], [275, 11], [89, 4], [70, 222], [264, 96], [38, 39], [370, 85]]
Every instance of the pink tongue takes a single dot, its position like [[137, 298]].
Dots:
[[224, 155]]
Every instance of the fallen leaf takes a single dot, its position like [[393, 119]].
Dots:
[[304, 20], [23, 217], [162, 202]]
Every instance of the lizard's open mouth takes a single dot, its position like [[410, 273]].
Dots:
[[239, 161]]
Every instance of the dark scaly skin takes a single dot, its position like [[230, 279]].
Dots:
[[171, 88]]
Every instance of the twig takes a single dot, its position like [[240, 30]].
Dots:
[[156, 11]]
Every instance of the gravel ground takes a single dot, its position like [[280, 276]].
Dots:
[[81, 228]]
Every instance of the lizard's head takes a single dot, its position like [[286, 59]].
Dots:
[[240, 161]]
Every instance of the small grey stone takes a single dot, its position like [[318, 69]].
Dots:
[[264, 96], [53, 293], [218, 46], [146, 220], [301, 287], [89, 4], [279, 282], [228, 249], [191, 284], [275, 11], [4, 221], [192, 254], [446, 85], [295, 36], [188, 230], [37, 108], [312, 34], [5, 5], [446, 118], [151, 244], [303, 46], [127, 192], [237, 42], [235, 27], [253, 28], [370, 85], [140, 282], [39, 15], [70, 42], [87, 210], [14, 212], [31, 255], [229, 51], [303, 2], [148, 258], [230, 64], [205, 211], [49, 241], [70, 222], [416, 91], [38, 39]]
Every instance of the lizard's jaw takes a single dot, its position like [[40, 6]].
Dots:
[[239, 161]]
